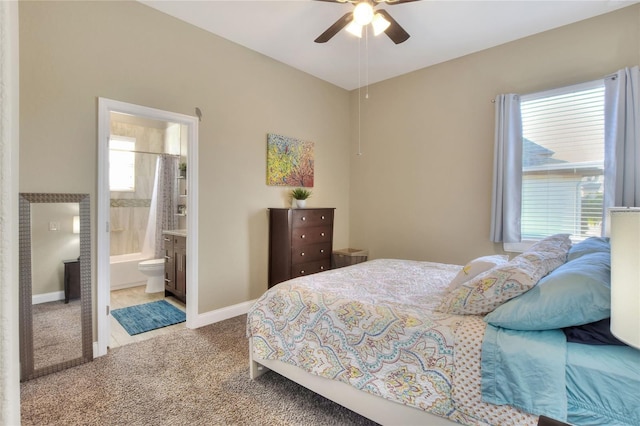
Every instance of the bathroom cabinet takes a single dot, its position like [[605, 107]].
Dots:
[[300, 242], [175, 266]]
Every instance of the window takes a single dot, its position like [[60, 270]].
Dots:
[[122, 164], [563, 162]]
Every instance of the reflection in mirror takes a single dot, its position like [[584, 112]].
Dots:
[[55, 249], [55, 283]]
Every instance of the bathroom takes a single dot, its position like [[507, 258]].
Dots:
[[148, 203]]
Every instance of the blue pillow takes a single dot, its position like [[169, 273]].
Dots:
[[590, 245], [576, 293]]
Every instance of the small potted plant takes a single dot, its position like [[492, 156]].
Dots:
[[300, 196], [183, 170]]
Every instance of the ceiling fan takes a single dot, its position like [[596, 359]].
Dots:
[[364, 14]]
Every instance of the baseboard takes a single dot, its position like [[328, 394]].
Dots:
[[222, 314], [127, 285], [47, 297]]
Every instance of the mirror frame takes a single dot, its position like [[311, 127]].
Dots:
[[27, 370]]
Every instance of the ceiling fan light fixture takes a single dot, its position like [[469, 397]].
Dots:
[[379, 24], [355, 29], [363, 13]]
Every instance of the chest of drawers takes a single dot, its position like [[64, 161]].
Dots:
[[300, 242]]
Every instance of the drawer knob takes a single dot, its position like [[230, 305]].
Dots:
[[303, 218], [322, 234], [302, 254], [322, 217], [302, 236], [322, 268], [301, 272], [321, 250]]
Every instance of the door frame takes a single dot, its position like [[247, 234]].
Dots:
[[103, 274]]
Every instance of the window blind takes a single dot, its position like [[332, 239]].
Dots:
[[563, 162]]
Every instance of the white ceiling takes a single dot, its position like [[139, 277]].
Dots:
[[440, 30]]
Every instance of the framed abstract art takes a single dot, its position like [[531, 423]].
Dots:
[[290, 161]]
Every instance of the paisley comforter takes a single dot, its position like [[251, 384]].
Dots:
[[373, 326]]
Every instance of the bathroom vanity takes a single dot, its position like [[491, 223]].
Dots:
[[175, 264]]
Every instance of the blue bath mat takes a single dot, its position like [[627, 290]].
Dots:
[[149, 316]]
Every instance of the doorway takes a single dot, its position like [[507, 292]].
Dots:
[[107, 108]]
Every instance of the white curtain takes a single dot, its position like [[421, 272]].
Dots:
[[506, 203], [622, 139]]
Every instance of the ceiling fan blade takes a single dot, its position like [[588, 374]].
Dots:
[[389, 2], [395, 32], [335, 28]]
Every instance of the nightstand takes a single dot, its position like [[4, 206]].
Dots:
[[71, 280]]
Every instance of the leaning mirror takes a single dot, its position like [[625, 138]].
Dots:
[[56, 327]]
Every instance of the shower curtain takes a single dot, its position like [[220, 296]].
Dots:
[[163, 205]]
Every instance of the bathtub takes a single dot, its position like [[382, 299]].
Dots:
[[124, 270]]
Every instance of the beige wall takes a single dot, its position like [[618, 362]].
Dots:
[[71, 53], [422, 188], [49, 249]]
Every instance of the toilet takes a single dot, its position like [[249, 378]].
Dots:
[[154, 270]]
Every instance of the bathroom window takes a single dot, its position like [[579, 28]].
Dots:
[[122, 164]]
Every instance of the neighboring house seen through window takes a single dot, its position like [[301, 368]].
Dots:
[[122, 164], [563, 162]]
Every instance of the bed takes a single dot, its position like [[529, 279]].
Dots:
[[410, 342]]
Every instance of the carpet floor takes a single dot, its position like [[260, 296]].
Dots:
[[57, 333], [190, 377]]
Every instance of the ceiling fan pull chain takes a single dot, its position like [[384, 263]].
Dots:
[[366, 62], [359, 96]]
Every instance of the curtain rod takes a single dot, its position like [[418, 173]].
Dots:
[[143, 152]]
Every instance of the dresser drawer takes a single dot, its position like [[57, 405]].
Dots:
[[308, 268], [305, 236], [310, 253], [311, 217]]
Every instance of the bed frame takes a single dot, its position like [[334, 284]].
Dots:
[[380, 410]]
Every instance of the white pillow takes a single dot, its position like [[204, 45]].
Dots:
[[475, 268]]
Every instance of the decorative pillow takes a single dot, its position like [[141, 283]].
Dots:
[[576, 293], [476, 267], [557, 242], [492, 288], [590, 245], [595, 333]]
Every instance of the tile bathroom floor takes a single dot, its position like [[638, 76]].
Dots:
[[137, 296]]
